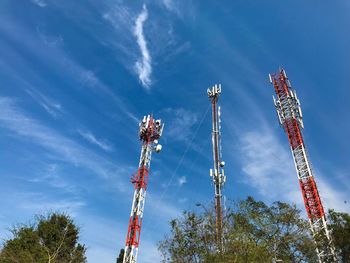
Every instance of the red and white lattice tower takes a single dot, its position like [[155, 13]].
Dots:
[[290, 117], [150, 132], [217, 173]]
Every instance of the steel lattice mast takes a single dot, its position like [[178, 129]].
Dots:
[[150, 132], [218, 172], [290, 117]]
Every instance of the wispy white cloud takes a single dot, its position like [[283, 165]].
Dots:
[[55, 56], [182, 180], [163, 209], [50, 176], [173, 6], [103, 239], [180, 123], [52, 107], [40, 3], [103, 144], [63, 148], [122, 20], [163, 43], [182, 9], [143, 65], [88, 78], [331, 197], [51, 41], [169, 4], [119, 16], [42, 206], [38, 203], [178, 50], [268, 167]]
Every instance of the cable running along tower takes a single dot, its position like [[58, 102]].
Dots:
[[290, 117], [149, 134], [217, 173]]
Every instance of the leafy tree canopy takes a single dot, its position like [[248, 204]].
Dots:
[[121, 256], [51, 239], [340, 228], [253, 232]]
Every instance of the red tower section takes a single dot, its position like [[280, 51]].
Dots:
[[150, 132], [290, 117]]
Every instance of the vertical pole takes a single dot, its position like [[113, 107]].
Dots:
[[218, 172]]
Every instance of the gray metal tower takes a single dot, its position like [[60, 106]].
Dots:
[[217, 173]]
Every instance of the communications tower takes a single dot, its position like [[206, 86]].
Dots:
[[217, 173], [290, 117], [149, 134]]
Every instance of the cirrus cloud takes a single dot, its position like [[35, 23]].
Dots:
[[143, 64]]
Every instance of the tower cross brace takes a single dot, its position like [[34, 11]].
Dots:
[[149, 134], [291, 119]]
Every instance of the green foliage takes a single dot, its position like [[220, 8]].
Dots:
[[253, 232], [121, 256], [52, 239], [189, 239], [340, 227], [24, 247]]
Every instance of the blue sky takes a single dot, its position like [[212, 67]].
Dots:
[[77, 76]]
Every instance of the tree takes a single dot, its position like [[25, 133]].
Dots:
[[253, 232], [121, 256], [24, 247], [52, 239], [188, 239], [340, 228]]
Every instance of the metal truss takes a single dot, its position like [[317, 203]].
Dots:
[[290, 117], [217, 173], [149, 133]]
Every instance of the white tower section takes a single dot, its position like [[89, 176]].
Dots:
[[290, 117], [150, 132]]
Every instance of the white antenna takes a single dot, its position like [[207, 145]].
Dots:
[[219, 120]]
